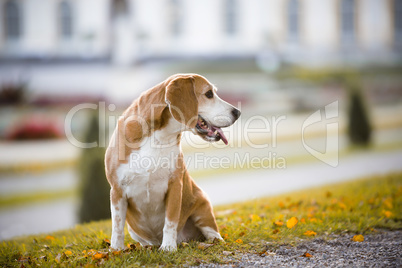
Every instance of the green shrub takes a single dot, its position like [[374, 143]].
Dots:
[[94, 190], [359, 127]]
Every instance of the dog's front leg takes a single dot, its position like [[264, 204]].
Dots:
[[118, 206], [172, 214]]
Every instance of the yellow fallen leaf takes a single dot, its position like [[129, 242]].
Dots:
[[313, 220], [225, 236], [49, 237], [306, 255], [358, 238], [278, 223], [99, 255], [254, 217], [89, 252], [342, 205], [68, 253], [291, 222], [239, 241], [388, 213], [310, 233]]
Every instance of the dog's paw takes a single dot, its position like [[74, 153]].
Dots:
[[214, 237], [117, 246], [168, 246], [215, 240], [218, 240]]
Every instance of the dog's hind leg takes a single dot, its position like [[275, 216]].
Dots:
[[118, 205], [204, 220]]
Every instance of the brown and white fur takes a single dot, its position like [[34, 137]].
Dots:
[[160, 202]]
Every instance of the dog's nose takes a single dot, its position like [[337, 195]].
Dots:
[[236, 113]]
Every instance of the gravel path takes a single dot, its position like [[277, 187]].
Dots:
[[383, 249]]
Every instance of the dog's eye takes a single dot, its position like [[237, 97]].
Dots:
[[209, 94]]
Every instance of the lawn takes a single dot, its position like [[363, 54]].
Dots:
[[355, 208]]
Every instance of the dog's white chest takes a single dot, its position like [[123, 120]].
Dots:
[[144, 180], [145, 177]]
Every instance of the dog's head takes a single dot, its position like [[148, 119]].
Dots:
[[194, 102]]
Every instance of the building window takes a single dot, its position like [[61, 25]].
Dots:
[[66, 20], [119, 9], [230, 17], [348, 13], [293, 20], [12, 21], [176, 17], [398, 22]]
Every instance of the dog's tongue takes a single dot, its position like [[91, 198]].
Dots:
[[223, 138]]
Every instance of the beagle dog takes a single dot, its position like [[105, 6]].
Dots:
[[151, 189]]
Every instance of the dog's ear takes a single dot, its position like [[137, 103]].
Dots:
[[183, 103]]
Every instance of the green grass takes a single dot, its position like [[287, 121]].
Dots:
[[360, 207]]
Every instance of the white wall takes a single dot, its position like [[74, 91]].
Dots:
[[273, 23], [262, 24], [39, 30], [91, 32], [320, 25], [375, 25]]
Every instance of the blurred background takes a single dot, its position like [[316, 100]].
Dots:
[[271, 58]]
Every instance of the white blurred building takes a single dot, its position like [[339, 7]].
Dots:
[[313, 32]]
